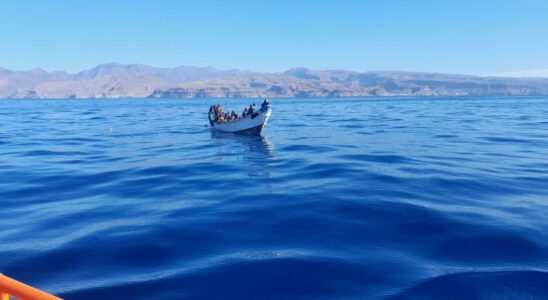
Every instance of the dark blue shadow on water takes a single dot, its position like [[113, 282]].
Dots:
[[283, 278], [482, 285]]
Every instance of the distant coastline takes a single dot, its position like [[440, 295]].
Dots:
[[141, 81]]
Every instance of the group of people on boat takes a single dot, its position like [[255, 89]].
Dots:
[[217, 115]]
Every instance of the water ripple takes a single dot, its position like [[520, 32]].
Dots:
[[414, 199]]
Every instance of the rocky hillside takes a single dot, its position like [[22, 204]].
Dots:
[[138, 81]]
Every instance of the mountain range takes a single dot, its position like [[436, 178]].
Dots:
[[140, 81]]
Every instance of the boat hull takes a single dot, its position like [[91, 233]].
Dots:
[[250, 125]]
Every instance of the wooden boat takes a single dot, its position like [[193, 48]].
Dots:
[[251, 124]]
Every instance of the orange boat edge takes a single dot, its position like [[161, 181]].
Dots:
[[11, 287]]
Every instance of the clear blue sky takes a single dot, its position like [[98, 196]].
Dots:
[[472, 37]]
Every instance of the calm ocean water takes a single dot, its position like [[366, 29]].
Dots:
[[441, 198]]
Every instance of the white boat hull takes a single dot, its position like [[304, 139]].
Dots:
[[248, 125]]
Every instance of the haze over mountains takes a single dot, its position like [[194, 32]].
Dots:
[[139, 81]]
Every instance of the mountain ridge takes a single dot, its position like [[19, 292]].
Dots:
[[114, 80]]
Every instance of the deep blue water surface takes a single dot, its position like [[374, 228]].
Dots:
[[341, 199]]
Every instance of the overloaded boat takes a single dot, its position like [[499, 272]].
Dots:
[[251, 122]]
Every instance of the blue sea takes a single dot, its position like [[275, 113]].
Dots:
[[390, 198]]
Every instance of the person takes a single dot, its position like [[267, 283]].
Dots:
[[265, 103], [250, 111], [244, 114], [212, 116]]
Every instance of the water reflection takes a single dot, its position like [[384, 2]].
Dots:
[[258, 147], [256, 154]]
